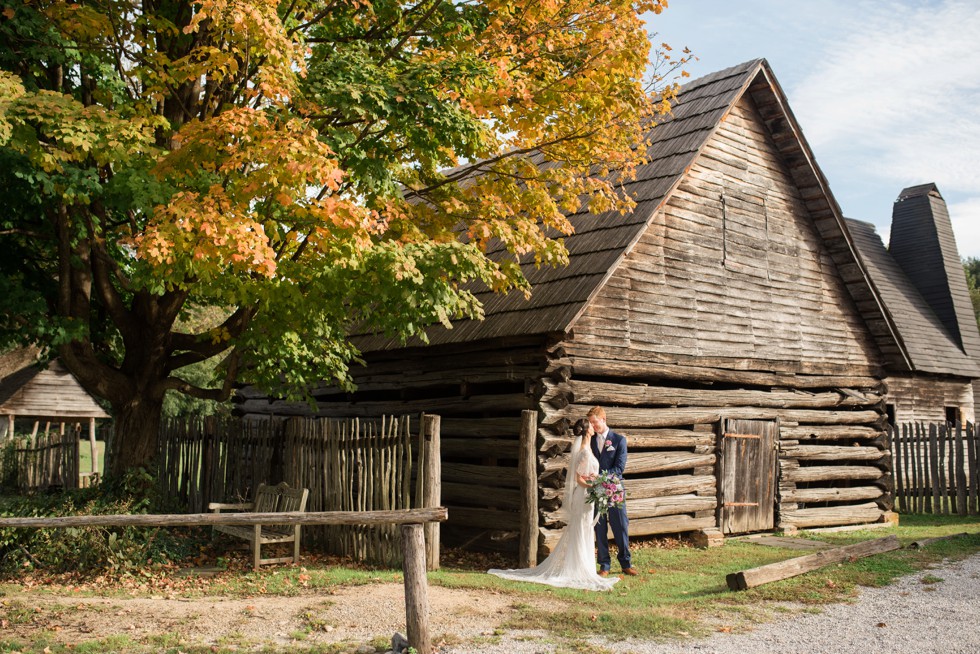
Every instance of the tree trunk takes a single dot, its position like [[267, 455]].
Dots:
[[137, 430]]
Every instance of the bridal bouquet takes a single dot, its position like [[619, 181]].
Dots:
[[605, 492]]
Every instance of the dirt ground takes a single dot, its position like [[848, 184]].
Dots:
[[356, 615]]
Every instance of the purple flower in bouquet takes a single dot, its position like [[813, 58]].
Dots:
[[605, 492]]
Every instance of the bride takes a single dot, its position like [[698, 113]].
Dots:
[[572, 563]]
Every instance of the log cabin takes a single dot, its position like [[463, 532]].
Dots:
[[728, 325], [921, 280], [49, 394]]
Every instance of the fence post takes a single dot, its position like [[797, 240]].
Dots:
[[416, 588], [960, 472], [973, 478], [432, 484], [93, 446], [527, 467]]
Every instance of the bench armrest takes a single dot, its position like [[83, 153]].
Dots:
[[240, 506]]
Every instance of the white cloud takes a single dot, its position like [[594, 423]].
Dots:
[[900, 89], [965, 217], [887, 93]]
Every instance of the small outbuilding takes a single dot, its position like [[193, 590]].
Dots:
[[48, 394]]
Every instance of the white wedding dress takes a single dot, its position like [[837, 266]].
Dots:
[[572, 563]]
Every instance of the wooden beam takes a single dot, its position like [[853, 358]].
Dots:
[[604, 393], [94, 447], [919, 544], [431, 485], [405, 517], [416, 588], [583, 366], [527, 465], [803, 564]]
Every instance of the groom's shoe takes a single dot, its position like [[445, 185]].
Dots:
[[632, 572], [603, 573]]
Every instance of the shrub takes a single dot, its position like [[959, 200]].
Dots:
[[89, 549]]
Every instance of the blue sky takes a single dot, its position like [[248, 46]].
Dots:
[[887, 92]]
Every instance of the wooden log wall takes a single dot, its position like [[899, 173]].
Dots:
[[833, 456]]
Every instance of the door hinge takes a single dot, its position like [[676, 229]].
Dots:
[[734, 435], [740, 504]]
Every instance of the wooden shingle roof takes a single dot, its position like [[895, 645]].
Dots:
[[49, 392], [929, 344], [602, 240]]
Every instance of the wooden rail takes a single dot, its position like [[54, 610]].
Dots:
[[412, 530]]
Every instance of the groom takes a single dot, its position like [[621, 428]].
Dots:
[[610, 449]]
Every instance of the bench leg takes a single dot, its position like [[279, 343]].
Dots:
[[257, 547]]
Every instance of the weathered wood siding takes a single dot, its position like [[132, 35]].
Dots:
[[730, 306], [924, 398], [746, 277]]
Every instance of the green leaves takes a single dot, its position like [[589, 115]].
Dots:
[[318, 170]]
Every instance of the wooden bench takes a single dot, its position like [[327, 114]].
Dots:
[[268, 499]]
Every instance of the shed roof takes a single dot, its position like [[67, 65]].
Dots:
[[929, 344], [600, 242], [50, 392]]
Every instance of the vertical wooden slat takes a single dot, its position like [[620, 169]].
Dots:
[[897, 461], [920, 482], [909, 469], [959, 471], [972, 465], [432, 488], [94, 447], [942, 434], [934, 469]]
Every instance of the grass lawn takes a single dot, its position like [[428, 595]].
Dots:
[[682, 590], [680, 593]]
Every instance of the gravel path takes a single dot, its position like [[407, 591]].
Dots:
[[915, 615]]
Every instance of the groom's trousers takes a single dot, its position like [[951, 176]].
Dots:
[[620, 527]]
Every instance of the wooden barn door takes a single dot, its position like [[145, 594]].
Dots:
[[747, 475]]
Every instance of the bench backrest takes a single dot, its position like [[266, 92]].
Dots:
[[279, 499]]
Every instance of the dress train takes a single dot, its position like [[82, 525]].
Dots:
[[572, 563]]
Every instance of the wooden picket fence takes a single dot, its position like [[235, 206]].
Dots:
[[936, 468], [347, 465], [41, 461]]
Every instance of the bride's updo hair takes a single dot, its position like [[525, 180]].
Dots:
[[581, 427]]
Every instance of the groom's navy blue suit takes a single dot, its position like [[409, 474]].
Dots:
[[611, 453]]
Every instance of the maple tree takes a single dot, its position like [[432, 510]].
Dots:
[[310, 167]]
